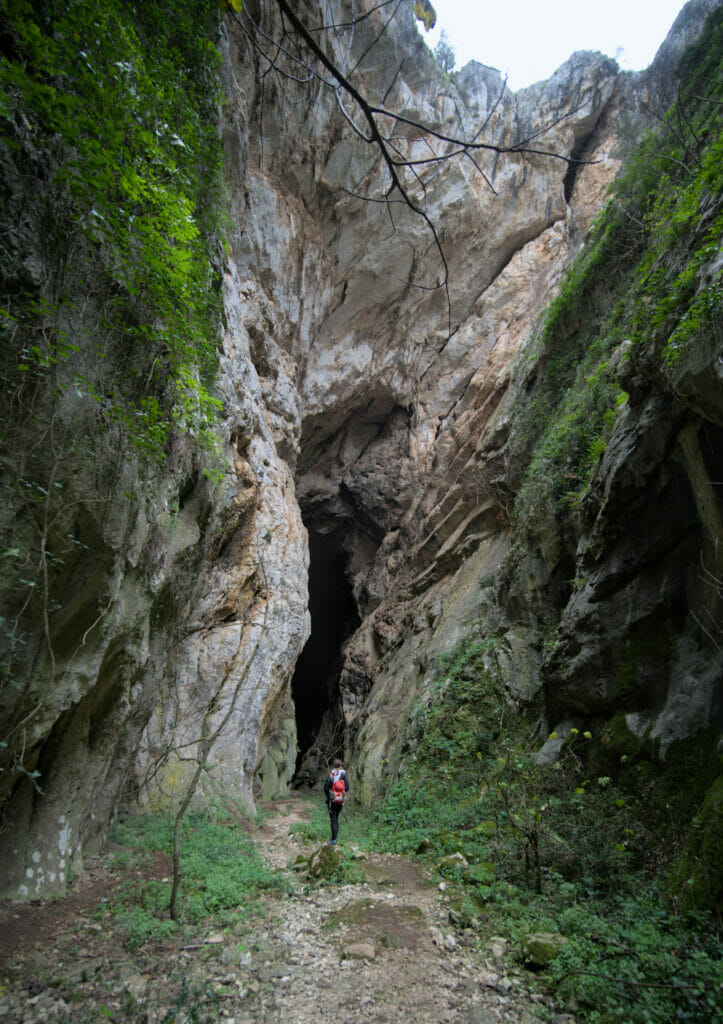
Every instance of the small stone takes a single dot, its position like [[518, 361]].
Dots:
[[37, 962], [450, 943], [442, 886], [454, 860], [483, 1016], [361, 951], [137, 984]]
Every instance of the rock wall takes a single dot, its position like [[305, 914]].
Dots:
[[357, 403], [609, 614], [376, 390]]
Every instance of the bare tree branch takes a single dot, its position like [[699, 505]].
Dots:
[[298, 56]]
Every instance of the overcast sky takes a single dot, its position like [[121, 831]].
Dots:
[[529, 39]]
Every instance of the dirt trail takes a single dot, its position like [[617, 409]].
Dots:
[[392, 956], [378, 951]]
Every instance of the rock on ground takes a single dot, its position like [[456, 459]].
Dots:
[[362, 953]]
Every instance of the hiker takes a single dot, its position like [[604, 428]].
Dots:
[[336, 787]]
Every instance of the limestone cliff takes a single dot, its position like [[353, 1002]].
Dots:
[[371, 416]]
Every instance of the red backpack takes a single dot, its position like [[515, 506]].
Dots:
[[338, 789]]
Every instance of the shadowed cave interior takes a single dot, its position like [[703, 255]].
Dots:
[[334, 617]]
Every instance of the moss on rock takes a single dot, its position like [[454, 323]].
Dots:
[[542, 947], [326, 862], [697, 873]]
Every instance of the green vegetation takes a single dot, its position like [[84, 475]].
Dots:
[[355, 829], [444, 54], [598, 845], [582, 847], [110, 304], [661, 230], [425, 13], [110, 112], [222, 875]]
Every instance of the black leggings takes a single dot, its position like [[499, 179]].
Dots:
[[334, 813]]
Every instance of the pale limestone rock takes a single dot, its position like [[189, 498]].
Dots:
[[347, 396], [453, 860], [249, 620]]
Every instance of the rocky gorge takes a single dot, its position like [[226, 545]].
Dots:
[[372, 501]]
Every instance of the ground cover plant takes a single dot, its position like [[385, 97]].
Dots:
[[561, 849], [222, 875], [643, 299]]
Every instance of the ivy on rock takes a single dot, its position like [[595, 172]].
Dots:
[[112, 110]]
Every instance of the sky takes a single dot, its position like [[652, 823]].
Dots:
[[529, 39]]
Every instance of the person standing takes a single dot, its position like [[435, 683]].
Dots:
[[336, 787]]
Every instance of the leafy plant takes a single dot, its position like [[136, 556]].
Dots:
[[662, 229], [572, 847], [113, 109], [221, 873], [111, 305]]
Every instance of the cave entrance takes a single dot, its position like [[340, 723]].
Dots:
[[315, 683]]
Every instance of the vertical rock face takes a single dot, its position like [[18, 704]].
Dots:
[[377, 391], [248, 619], [374, 411], [404, 403]]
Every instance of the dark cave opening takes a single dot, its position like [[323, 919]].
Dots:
[[577, 158], [334, 617]]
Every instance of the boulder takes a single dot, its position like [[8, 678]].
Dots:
[[453, 860], [325, 862], [540, 948]]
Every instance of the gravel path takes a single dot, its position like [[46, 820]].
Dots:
[[379, 951], [390, 955]]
